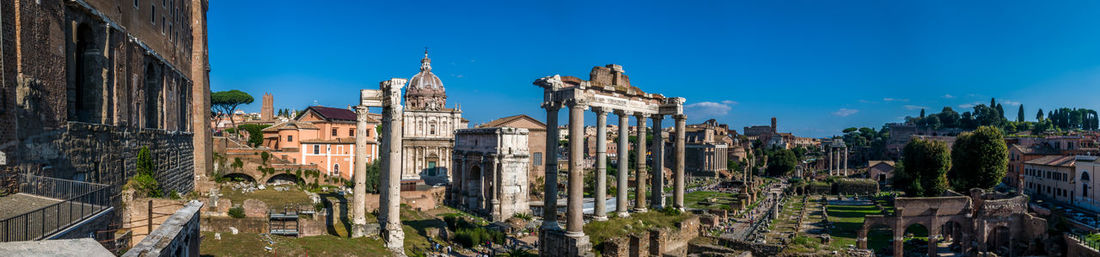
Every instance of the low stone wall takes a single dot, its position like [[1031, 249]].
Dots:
[[244, 225], [1075, 248], [418, 200], [655, 242], [756, 249], [179, 236]]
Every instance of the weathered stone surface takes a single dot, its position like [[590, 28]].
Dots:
[[255, 208], [179, 236], [491, 158]]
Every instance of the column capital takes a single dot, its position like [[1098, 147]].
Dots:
[[551, 105], [576, 103], [600, 110], [679, 116]]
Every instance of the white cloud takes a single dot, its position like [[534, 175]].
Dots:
[[459, 76], [888, 99], [864, 101], [948, 96], [708, 109], [845, 112], [729, 102], [1010, 102], [969, 105], [914, 107]]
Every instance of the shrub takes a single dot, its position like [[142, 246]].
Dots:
[[145, 183], [236, 212], [475, 236], [523, 216]]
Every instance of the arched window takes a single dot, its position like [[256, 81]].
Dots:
[[432, 132], [154, 83], [1084, 176], [336, 169], [85, 95]]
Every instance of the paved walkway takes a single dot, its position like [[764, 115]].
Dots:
[[18, 204]]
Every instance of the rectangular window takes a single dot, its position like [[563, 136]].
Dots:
[[316, 149], [537, 159], [334, 132], [135, 4], [289, 138], [153, 13], [351, 132]]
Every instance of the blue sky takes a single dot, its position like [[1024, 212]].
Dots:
[[818, 66]]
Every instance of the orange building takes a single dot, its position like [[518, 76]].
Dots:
[[324, 137]]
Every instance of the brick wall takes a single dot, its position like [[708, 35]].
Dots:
[[179, 236]]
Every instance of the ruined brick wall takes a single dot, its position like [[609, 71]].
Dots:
[[108, 154]]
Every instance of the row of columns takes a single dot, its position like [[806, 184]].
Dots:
[[390, 176], [575, 186], [838, 164]]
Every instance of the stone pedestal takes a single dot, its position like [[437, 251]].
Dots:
[[555, 243]]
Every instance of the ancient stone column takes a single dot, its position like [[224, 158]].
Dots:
[[600, 213], [624, 160], [845, 161], [202, 142], [830, 160], [358, 204], [390, 177], [574, 221], [678, 188], [639, 174], [550, 199], [658, 200]]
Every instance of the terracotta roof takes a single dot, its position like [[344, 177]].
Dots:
[[1041, 149], [329, 113], [873, 163], [1054, 160], [290, 125]]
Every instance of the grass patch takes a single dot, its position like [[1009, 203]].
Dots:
[[274, 199], [599, 231], [699, 200], [848, 221]]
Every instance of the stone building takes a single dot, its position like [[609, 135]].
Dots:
[[1051, 177], [707, 149], [1086, 169], [490, 172], [429, 128], [322, 136], [267, 110], [881, 171], [85, 84], [88, 83], [536, 141]]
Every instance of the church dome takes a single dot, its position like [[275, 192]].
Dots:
[[425, 90]]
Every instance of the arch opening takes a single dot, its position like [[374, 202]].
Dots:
[[239, 177], [283, 179], [915, 239]]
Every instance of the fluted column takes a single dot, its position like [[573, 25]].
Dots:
[[658, 200], [678, 188], [574, 222], [830, 160], [359, 194], [639, 174], [600, 212], [390, 177], [624, 160], [845, 161], [550, 200]]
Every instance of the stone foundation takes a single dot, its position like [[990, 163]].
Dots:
[[556, 243], [179, 236]]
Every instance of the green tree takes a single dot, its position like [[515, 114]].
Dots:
[[922, 113], [145, 182], [949, 117], [979, 159], [1039, 115], [373, 171], [227, 102], [923, 168], [781, 162], [1020, 114]]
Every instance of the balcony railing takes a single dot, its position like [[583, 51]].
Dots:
[[76, 201]]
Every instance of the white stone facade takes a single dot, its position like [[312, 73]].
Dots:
[[490, 172]]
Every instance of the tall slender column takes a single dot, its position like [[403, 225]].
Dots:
[[830, 160], [390, 179], [574, 222], [624, 160], [358, 204], [550, 200], [658, 200], [845, 161], [639, 174], [600, 212], [678, 188]]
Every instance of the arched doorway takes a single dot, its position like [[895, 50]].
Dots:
[[284, 178], [953, 236], [880, 239], [473, 185], [915, 238], [239, 177]]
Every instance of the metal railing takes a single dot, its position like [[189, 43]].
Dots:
[[1085, 242], [78, 201]]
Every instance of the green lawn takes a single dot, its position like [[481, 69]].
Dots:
[[848, 221], [273, 199], [698, 200]]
